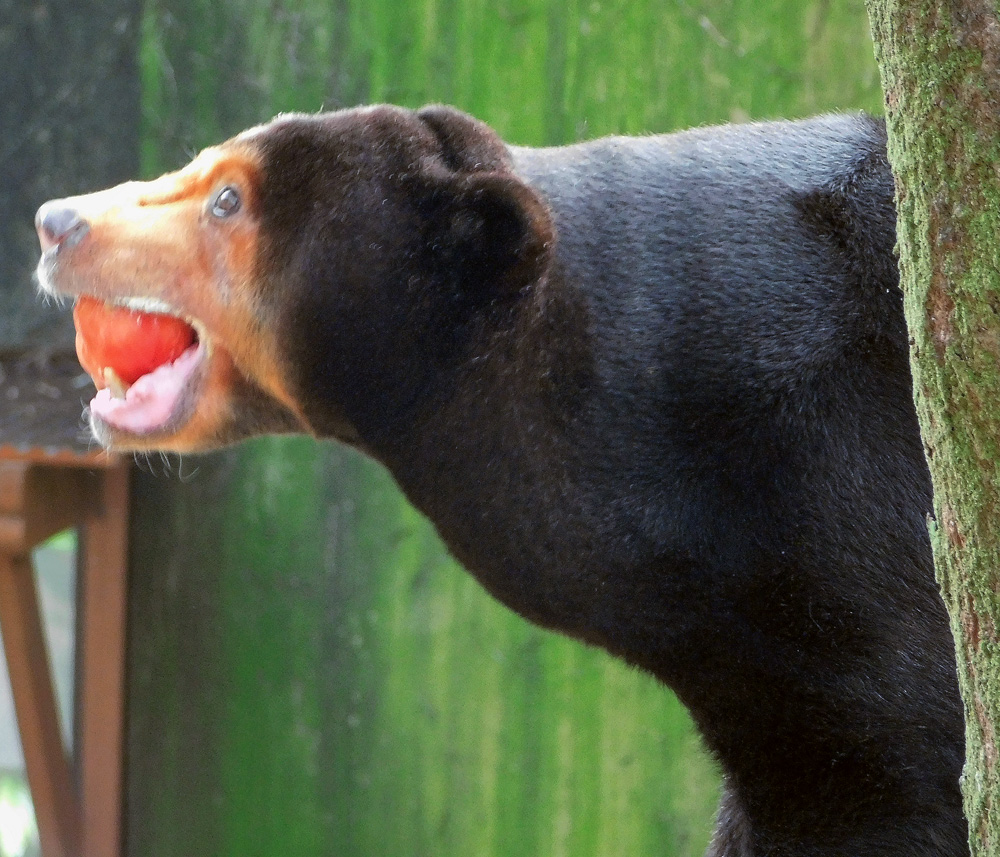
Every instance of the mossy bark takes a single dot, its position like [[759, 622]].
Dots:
[[940, 65]]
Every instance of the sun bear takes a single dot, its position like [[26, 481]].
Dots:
[[653, 393]]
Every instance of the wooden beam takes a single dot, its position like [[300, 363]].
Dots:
[[37, 502], [48, 769]]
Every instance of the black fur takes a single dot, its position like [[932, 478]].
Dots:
[[653, 393]]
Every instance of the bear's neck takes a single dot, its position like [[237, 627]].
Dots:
[[495, 460]]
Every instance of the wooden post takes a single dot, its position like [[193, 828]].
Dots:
[[101, 659]]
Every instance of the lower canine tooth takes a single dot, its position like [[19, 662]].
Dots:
[[117, 386]]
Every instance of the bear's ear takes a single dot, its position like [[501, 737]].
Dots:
[[491, 228], [498, 232]]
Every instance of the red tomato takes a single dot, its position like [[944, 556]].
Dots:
[[129, 342]]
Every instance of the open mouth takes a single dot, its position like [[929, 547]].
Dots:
[[145, 360]]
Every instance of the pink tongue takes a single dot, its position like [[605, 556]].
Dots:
[[151, 400]]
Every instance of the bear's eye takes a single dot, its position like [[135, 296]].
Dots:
[[226, 202]]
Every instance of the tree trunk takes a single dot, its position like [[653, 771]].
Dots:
[[940, 64]]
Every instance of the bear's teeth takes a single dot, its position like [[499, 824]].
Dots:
[[114, 383]]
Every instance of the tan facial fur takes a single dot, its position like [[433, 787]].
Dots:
[[156, 245]]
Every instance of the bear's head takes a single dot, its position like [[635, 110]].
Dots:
[[332, 268]]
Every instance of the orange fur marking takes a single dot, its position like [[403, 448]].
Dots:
[[158, 240]]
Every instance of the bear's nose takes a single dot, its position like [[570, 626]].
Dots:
[[59, 225]]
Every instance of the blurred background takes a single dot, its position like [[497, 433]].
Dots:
[[308, 672]]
